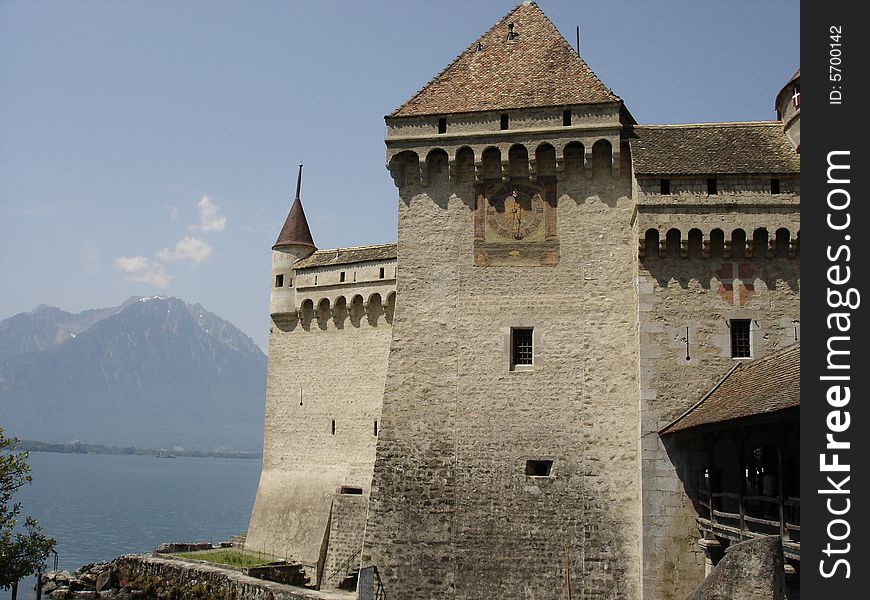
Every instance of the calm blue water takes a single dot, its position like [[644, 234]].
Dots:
[[101, 506]]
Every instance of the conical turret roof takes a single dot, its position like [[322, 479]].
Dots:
[[527, 65], [295, 231]]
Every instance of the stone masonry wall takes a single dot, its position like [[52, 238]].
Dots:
[[684, 306], [453, 514], [346, 527], [323, 373]]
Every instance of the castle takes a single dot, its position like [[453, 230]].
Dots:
[[523, 397]]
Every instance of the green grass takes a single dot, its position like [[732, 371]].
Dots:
[[230, 557]]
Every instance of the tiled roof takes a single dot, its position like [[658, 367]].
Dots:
[[536, 68], [728, 148], [763, 386], [346, 256]]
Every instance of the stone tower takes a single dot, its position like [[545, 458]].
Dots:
[[509, 459], [329, 338]]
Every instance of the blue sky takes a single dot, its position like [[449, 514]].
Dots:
[[151, 147]]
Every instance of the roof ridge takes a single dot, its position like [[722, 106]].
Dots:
[[710, 124], [456, 59], [364, 247]]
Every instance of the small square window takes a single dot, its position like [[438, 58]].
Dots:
[[341, 277], [442, 125], [774, 185], [566, 117], [521, 347], [712, 188], [539, 468], [665, 187], [741, 341], [279, 281], [505, 121], [381, 274]]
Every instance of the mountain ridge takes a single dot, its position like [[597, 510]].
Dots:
[[154, 371]]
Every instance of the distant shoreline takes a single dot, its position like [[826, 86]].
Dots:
[[80, 448]]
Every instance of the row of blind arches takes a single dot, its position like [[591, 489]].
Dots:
[[738, 245], [339, 308], [407, 163]]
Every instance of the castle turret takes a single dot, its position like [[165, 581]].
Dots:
[[788, 110], [294, 243]]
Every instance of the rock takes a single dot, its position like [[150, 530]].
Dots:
[[105, 580], [48, 587], [751, 570], [58, 594]]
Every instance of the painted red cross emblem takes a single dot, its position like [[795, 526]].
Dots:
[[735, 284]]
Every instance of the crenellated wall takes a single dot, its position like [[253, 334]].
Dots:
[[703, 260], [325, 385]]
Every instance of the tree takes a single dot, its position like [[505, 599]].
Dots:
[[23, 551]]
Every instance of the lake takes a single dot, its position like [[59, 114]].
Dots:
[[100, 506]]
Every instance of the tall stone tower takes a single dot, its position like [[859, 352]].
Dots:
[[329, 337], [508, 463]]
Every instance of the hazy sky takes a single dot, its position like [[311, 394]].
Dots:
[[151, 147]]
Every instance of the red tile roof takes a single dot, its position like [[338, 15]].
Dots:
[[538, 67], [760, 387]]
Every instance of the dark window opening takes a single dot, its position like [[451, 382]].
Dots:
[[521, 347], [539, 468], [741, 346], [711, 186], [381, 276], [279, 281], [442, 125], [566, 117], [333, 427], [774, 185], [349, 489], [505, 121], [315, 280], [341, 277], [665, 187], [376, 429]]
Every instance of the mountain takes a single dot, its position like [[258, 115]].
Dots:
[[153, 372]]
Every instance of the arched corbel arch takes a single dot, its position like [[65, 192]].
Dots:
[[545, 161], [463, 167], [306, 311], [649, 245], [390, 306], [404, 168], [695, 243], [518, 160], [738, 243], [760, 240], [782, 243], [374, 307], [437, 167], [716, 244], [602, 154], [673, 239], [491, 164], [573, 158]]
